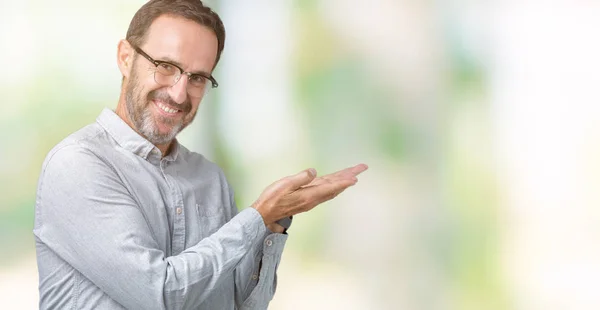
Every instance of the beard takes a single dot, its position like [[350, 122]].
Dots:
[[146, 122]]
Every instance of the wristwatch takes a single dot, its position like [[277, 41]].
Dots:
[[286, 222]]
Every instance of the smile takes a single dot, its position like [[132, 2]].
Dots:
[[165, 108]]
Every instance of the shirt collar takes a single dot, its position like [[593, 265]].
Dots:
[[130, 140]]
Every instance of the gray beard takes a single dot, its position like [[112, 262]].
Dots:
[[140, 115]]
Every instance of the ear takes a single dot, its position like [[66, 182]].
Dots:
[[125, 58]]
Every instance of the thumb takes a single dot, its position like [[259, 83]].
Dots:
[[300, 179]]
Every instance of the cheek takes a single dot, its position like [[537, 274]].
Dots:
[[190, 116], [195, 102], [146, 90], [146, 83]]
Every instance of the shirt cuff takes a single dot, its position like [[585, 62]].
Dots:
[[274, 244], [255, 219]]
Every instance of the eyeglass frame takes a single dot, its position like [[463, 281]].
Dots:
[[212, 80]]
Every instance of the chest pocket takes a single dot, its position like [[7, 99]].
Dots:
[[210, 218]]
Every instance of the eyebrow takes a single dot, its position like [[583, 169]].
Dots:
[[177, 63]]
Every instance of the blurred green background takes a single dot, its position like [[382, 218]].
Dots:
[[478, 119]]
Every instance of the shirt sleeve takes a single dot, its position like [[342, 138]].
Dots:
[[256, 276], [89, 218]]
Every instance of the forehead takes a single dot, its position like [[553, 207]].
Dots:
[[189, 43]]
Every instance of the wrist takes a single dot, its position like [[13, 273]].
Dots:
[[257, 206]]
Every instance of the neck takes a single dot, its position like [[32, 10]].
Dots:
[[165, 149], [121, 111]]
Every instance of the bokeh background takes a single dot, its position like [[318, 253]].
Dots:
[[480, 121]]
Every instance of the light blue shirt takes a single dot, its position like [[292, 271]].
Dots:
[[118, 226]]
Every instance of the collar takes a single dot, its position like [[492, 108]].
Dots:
[[130, 140]]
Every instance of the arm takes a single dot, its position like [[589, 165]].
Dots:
[[284, 198], [256, 275], [89, 218]]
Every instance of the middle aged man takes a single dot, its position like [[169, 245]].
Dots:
[[126, 217]]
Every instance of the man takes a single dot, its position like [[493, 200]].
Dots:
[[126, 217]]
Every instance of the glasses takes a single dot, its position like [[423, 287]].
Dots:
[[168, 74]]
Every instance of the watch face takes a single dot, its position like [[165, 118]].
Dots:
[[286, 222]]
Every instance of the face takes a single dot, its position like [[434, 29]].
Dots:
[[158, 112]]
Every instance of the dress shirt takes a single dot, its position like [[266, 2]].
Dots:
[[119, 226]]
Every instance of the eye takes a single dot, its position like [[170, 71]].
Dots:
[[197, 80], [166, 68]]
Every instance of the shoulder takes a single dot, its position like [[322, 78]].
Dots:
[[79, 151]]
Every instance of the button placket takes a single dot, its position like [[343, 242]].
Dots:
[[178, 240]]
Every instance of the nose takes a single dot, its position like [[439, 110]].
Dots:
[[178, 91]]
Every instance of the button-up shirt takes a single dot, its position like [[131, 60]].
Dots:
[[117, 225]]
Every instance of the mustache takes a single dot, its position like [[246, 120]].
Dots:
[[165, 99]]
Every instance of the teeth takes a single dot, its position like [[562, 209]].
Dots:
[[166, 109]]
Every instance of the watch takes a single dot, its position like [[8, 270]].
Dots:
[[285, 222]]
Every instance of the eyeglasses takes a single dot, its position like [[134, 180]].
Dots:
[[168, 74]]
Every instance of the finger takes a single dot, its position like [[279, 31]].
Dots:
[[325, 191], [300, 179], [331, 178], [356, 170], [348, 172], [317, 181], [331, 190]]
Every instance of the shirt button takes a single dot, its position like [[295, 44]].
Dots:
[[269, 243], [254, 277], [178, 210]]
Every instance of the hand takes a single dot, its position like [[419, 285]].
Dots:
[[351, 173], [302, 192]]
